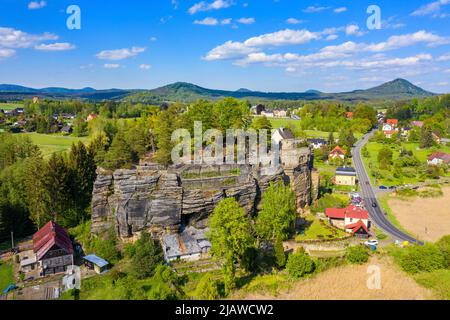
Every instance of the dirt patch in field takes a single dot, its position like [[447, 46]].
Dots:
[[350, 283], [426, 218]]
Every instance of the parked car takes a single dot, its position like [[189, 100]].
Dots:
[[374, 204], [383, 187], [371, 242]]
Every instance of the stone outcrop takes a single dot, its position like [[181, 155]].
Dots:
[[157, 198]]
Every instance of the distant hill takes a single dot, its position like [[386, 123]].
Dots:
[[395, 90], [187, 92]]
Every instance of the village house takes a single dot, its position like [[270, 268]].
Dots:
[[438, 158], [352, 219], [317, 143], [52, 251], [345, 176], [35, 100], [337, 153], [417, 124], [282, 134], [390, 127], [349, 115], [67, 130], [280, 113], [268, 114], [189, 245], [96, 263]]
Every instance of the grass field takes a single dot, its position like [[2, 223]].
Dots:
[[318, 230], [438, 281], [53, 143], [10, 106], [6, 275], [348, 282], [421, 154], [280, 122]]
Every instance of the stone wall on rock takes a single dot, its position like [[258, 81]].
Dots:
[[157, 198]]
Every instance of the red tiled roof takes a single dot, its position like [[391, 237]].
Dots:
[[440, 155], [392, 121], [338, 149], [351, 212], [356, 226], [349, 114], [390, 131], [49, 235]]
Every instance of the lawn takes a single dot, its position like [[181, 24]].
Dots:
[[438, 281], [6, 275], [10, 106], [316, 230], [52, 143], [372, 162]]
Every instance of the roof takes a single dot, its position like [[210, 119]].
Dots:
[[190, 241], [338, 149], [346, 171], [349, 114], [286, 133], [96, 260], [417, 124], [350, 212], [317, 140], [440, 155], [49, 235], [27, 262], [357, 226], [392, 121], [390, 131]]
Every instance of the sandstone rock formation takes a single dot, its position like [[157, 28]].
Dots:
[[157, 198]]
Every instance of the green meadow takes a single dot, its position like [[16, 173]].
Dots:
[[53, 143]]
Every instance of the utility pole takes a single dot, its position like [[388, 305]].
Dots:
[[12, 240]]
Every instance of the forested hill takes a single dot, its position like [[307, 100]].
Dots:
[[398, 89]]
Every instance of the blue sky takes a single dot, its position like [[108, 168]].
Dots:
[[268, 45]]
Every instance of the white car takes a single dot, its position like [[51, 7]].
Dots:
[[371, 243]]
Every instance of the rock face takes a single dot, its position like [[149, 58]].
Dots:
[[156, 198]]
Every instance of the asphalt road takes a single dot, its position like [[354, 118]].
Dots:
[[367, 193]]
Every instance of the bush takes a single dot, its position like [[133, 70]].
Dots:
[[426, 258], [357, 254], [444, 246], [207, 288], [299, 265], [147, 256]]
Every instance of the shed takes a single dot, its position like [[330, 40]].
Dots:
[[96, 263]]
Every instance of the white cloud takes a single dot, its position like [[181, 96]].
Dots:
[[340, 10], [145, 66], [208, 6], [111, 66], [226, 21], [7, 53], [119, 54], [353, 30], [445, 57], [153, 39], [294, 21], [57, 46], [313, 9], [36, 5], [447, 71], [432, 8], [332, 37], [13, 38], [282, 37], [207, 22], [246, 20], [229, 50]]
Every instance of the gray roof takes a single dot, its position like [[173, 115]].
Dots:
[[189, 242], [286, 133], [96, 260], [346, 171]]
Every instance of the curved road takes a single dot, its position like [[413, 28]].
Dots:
[[367, 192]]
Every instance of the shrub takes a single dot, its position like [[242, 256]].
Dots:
[[207, 288], [444, 246], [426, 258], [280, 257], [148, 255], [299, 265], [357, 254]]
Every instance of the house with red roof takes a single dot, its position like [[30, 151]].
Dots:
[[352, 219], [337, 153], [91, 117], [390, 127], [52, 250], [349, 115], [438, 158]]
